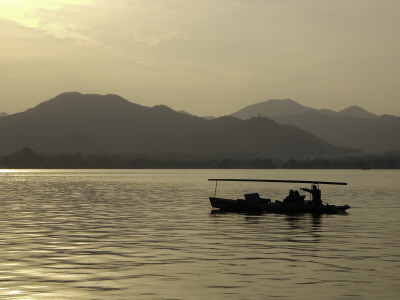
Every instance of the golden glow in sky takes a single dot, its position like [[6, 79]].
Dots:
[[25, 12], [206, 57], [40, 14]]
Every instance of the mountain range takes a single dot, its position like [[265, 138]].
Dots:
[[288, 107], [108, 124], [351, 127]]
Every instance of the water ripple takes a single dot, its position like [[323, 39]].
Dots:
[[150, 235]]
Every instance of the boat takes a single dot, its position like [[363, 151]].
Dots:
[[290, 205]]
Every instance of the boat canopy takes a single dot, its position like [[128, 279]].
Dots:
[[276, 180]]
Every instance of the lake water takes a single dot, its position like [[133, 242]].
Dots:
[[150, 234]]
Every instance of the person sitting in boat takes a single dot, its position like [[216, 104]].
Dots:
[[298, 197], [290, 197], [316, 194]]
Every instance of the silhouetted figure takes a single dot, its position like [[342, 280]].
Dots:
[[316, 194], [298, 197], [290, 197]]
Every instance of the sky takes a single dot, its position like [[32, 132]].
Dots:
[[206, 57]]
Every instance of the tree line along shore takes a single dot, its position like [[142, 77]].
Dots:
[[28, 159]]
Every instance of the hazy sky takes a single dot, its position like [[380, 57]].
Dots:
[[207, 57]]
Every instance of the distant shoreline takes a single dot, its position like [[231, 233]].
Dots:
[[27, 159]]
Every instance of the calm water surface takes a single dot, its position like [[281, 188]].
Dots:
[[150, 234]]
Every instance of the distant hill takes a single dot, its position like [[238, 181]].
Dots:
[[376, 135], [3, 114], [288, 107], [257, 137], [272, 107], [96, 124], [351, 127], [356, 112]]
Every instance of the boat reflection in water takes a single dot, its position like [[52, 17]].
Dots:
[[292, 204]]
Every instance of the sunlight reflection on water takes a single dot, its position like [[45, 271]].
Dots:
[[150, 234]]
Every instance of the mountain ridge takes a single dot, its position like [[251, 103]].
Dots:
[[109, 124], [350, 127], [376, 135], [286, 107]]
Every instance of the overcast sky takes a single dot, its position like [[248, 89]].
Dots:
[[206, 57]]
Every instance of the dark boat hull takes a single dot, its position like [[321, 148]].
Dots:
[[241, 205]]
